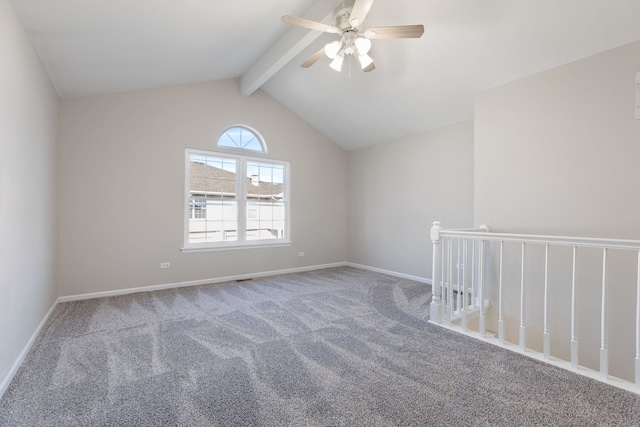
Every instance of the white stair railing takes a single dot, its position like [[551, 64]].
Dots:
[[459, 264], [459, 296]]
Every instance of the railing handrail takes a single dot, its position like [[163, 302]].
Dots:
[[594, 242]]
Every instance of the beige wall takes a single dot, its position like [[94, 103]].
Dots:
[[396, 191], [122, 186], [28, 157], [559, 153]]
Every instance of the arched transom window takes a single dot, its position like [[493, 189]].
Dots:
[[242, 137]]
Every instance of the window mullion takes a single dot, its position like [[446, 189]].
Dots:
[[242, 199]]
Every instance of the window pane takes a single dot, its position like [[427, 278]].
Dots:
[[265, 191], [265, 220], [213, 205], [240, 137], [266, 181], [253, 144], [197, 208]]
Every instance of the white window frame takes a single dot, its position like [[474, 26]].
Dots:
[[241, 198]]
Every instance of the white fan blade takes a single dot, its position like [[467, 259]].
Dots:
[[400, 32], [312, 25], [313, 59], [359, 12]]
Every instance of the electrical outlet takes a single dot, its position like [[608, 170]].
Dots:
[[300, 253], [165, 265]]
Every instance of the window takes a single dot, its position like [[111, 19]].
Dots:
[[242, 137], [233, 200]]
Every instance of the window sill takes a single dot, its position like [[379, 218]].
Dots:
[[235, 246]]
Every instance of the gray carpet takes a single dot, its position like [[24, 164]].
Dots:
[[327, 348]]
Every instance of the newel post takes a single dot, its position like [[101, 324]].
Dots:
[[436, 287]]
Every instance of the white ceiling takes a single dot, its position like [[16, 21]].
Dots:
[[90, 47]]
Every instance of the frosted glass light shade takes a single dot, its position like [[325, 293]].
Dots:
[[336, 64], [363, 45], [332, 49], [365, 60]]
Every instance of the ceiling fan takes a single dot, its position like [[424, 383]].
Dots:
[[355, 40]]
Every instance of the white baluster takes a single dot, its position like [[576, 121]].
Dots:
[[450, 282], [604, 351], [523, 336], [465, 302], [500, 305], [482, 328], [436, 289], [443, 256], [459, 294], [445, 278], [546, 335], [574, 336], [473, 276]]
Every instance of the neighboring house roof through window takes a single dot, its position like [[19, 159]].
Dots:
[[242, 137], [202, 174]]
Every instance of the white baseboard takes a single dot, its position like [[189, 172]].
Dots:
[[390, 273], [4, 385], [197, 282]]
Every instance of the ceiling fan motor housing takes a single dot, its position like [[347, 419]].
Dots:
[[349, 37], [342, 19]]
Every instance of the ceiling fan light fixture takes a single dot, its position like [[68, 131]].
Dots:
[[365, 60], [336, 64], [332, 49], [355, 39], [363, 45]]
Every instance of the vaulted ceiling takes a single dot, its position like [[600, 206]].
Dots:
[[92, 47]]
